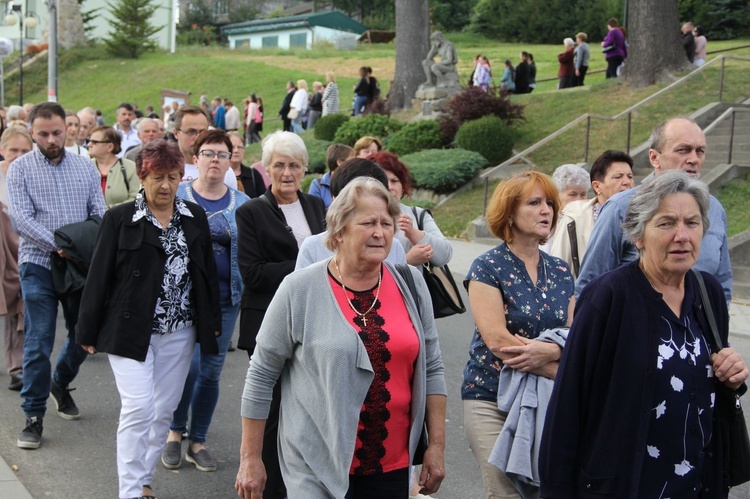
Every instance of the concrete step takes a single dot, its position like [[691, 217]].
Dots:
[[714, 141], [741, 289], [741, 273]]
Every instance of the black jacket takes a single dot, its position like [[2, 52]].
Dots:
[[125, 278], [77, 240], [522, 78], [267, 251], [286, 105]]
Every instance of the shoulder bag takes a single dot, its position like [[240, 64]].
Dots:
[[424, 440], [732, 430], [446, 299]]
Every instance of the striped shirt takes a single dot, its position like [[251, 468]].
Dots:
[[45, 196], [331, 99]]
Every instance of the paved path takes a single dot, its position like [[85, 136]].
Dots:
[[77, 458]]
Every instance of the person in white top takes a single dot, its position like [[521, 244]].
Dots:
[[125, 117], [72, 126], [299, 105], [232, 118], [189, 122]]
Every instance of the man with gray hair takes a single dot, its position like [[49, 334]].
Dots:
[[676, 144], [16, 113], [148, 131], [87, 115]]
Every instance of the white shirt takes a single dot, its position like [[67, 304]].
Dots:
[[80, 150], [191, 173], [232, 118], [128, 139], [295, 217]]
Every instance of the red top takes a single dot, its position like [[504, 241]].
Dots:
[[104, 184], [392, 345]]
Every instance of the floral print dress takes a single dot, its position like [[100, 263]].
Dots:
[[529, 309]]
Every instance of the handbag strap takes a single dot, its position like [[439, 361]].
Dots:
[[419, 217], [709, 311], [403, 269], [124, 175]]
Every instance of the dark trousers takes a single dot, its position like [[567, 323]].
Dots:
[[287, 124], [612, 64], [393, 485], [578, 80], [275, 488]]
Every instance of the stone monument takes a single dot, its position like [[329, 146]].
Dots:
[[441, 75]]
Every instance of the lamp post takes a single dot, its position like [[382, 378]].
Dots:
[[16, 14]]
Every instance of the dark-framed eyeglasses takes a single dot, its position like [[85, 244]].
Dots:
[[207, 153]]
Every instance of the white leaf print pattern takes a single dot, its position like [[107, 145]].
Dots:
[[709, 371], [677, 384], [697, 347], [682, 468], [666, 351], [683, 353], [652, 451], [713, 397], [661, 409], [659, 362]]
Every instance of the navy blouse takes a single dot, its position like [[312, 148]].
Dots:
[[529, 310]]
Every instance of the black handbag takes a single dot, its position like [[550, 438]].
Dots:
[[446, 299], [424, 440], [733, 438]]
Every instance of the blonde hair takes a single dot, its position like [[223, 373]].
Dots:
[[365, 142], [331, 76], [345, 205], [14, 131], [302, 84]]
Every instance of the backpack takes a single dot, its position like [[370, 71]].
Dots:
[[258, 118]]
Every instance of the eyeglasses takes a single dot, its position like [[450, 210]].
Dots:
[[212, 154], [191, 131], [92, 141], [280, 167]]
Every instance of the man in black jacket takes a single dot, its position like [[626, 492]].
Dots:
[[287, 105], [688, 41]]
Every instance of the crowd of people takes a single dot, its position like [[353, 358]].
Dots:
[[182, 242]]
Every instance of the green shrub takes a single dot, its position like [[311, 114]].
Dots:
[[443, 170], [415, 137], [489, 136], [326, 127], [316, 152], [376, 125]]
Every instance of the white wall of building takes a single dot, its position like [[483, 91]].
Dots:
[[314, 34]]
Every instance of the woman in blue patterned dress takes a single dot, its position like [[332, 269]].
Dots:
[[633, 407], [516, 291]]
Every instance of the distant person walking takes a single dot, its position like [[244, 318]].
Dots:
[[565, 58], [614, 48], [330, 95], [688, 41], [700, 46]]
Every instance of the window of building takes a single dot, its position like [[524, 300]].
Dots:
[[298, 40], [270, 41]]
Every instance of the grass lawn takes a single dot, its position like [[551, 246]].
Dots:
[[91, 77], [734, 198]]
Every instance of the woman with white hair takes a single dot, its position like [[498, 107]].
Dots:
[[572, 183], [270, 229], [566, 72], [356, 353]]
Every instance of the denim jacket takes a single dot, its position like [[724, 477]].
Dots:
[[185, 191]]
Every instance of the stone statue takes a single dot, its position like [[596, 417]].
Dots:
[[443, 73]]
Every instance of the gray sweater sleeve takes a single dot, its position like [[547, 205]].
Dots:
[[442, 251]]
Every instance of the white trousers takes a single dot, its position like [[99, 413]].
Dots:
[[149, 394]]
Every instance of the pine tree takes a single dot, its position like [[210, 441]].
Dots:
[[131, 30]]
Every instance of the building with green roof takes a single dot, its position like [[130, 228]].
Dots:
[[303, 30]]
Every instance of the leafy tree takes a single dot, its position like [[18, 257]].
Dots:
[[131, 28], [88, 17], [452, 15], [364, 8]]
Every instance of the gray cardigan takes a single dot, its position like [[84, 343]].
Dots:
[[325, 373]]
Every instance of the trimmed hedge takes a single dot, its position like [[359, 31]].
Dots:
[[489, 136], [325, 128], [415, 137], [443, 170], [376, 125], [316, 152]]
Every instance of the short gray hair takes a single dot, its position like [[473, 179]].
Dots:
[[345, 205], [286, 143], [645, 203], [658, 137], [566, 175], [569, 42]]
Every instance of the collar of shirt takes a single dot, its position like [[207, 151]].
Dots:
[[142, 210], [38, 156]]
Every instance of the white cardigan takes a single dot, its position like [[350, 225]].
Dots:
[[307, 343], [582, 214]]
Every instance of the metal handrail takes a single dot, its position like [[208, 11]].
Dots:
[[731, 113], [629, 112]]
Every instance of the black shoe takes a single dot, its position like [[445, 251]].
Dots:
[[171, 455], [31, 436], [16, 383], [66, 408], [231, 347]]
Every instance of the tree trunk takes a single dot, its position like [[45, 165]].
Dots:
[[70, 32], [412, 45], [655, 49]]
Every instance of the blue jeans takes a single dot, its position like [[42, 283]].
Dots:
[[39, 322], [201, 390], [360, 101], [297, 124]]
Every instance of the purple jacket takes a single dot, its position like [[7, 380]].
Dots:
[[615, 40]]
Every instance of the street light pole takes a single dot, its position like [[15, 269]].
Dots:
[[17, 8], [52, 53]]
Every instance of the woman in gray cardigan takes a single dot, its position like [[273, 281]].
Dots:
[[359, 365]]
